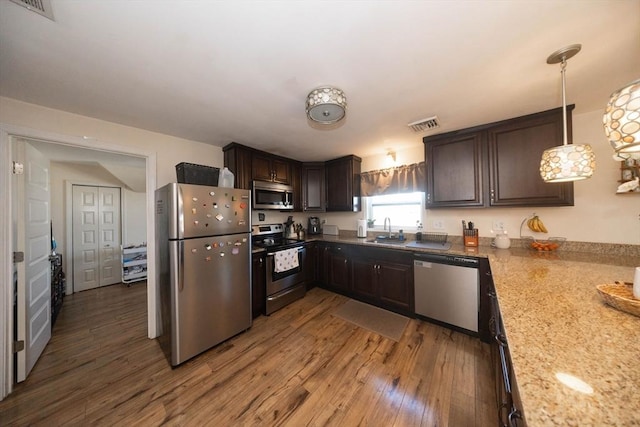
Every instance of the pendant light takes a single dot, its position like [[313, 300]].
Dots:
[[326, 105], [566, 162], [622, 119]]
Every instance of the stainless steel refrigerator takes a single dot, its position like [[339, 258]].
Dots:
[[203, 262]]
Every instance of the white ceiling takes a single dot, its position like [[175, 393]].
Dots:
[[223, 71]]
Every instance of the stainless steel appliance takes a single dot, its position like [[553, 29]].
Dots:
[[285, 258], [204, 271], [314, 225], [271, 195], [447, 289]]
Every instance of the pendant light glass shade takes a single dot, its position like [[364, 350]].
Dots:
[[622, 119], [567, 162], [326, 105]]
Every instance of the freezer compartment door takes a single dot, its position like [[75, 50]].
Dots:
[[211, 293], [200, 210]]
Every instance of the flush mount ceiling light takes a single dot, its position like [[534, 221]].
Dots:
[[326, 105], [566, 162], [622, 119]]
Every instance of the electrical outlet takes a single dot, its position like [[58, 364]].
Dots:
[[438, 224], [498, 225]]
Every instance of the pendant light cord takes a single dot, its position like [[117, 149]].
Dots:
[[564, 103]]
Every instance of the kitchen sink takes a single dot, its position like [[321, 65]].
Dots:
[[387, 241], [444, 246]]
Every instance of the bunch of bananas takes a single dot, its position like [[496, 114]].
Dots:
[[535, 224]]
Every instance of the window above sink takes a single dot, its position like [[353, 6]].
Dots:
[[406, 210]]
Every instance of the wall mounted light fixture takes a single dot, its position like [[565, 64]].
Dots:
[[566, 162], [391, 155]]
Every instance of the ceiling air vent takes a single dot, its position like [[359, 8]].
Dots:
[[41, 7], [425, 124]]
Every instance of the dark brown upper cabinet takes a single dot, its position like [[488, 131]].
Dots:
[[497, 164], [248, 164], [343, 184], [238, 159], [313, 191], [317, 186], [455, 170], [270, 168]]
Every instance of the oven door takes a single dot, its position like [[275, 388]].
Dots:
[[279, 281], [268, 195]]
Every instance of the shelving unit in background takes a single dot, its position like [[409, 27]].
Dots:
[[629, 170], [58, 284], [134, 263]]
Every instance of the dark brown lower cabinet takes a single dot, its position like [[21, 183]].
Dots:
[[258, 284], [339, 275], [395, 282], [332, 267], [309, 264], [510, 412], [383, 278]]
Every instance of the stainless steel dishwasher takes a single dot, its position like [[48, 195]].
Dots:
[[447, 289]]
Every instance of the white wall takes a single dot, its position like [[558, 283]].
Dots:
[[134, 220], [169, 150]]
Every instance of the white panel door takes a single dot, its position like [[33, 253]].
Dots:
[[96, 237], [109, 243], [33, 213], [86, 262]]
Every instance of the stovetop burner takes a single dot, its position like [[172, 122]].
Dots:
[[271, 237]]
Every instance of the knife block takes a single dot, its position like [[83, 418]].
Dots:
[[470, 238]]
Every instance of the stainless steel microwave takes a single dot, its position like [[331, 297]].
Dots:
[[270, 195]]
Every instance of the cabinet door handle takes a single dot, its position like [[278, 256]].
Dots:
[[514, 416], [492, 195]]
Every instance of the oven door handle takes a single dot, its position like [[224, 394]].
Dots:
[[300, 249]]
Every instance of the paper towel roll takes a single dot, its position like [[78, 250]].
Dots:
[[362, 228]]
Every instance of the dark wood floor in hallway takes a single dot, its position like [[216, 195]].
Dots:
[[300, 366]]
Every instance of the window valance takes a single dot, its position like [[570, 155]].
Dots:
[[400, 179]]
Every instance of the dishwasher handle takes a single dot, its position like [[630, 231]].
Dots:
[[463, 261]]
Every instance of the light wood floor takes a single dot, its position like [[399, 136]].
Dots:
[[299, 367]]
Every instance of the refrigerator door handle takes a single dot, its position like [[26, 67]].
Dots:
[[176, 269], [180, 270]]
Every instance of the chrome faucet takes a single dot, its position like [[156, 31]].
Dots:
[[384, 226]]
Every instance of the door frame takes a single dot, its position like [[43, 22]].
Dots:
[[8, 131]]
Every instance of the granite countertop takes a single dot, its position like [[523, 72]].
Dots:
[[556, 323]]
